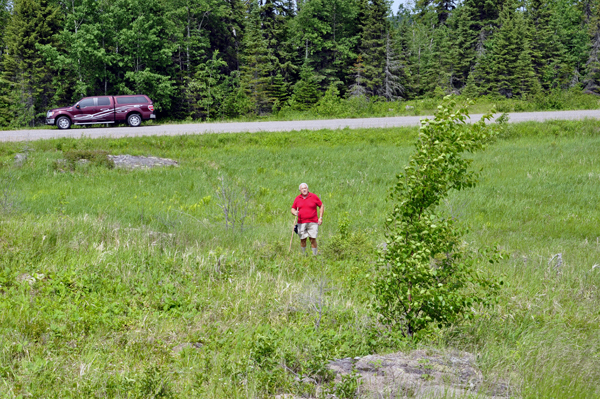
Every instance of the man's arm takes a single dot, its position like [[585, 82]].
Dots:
[[294, 212], [321, 210]]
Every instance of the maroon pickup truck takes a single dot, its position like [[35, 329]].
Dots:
[[103, 109]]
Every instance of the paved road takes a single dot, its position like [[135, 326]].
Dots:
[[284, 126]]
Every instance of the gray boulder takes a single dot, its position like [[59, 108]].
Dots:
[[136, 162], [419, 374]]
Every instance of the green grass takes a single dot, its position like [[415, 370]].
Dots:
[[104, 272]]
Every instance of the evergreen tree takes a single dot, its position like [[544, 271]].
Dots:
[[306, 90], [401, 34], [392, 88], [511, 72], [442, 8], [574, 40], [279, 91], [462, 45], [358, 88], [27, 78], [326, 33], [547, 52], [257, 66], [374, 30], [208, 86], [591, 82], [438, 69], [4, 18], [275, 16]]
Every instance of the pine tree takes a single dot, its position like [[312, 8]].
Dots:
[[27, 78], [525, 79], [442, 8], [275, 16], [402, 36], [257, 66], [463, 45], [306, 90], [4, 18], [473, 51], [372, 46], [438, 71], [392, 88], [547, 52], [513, 72], [208, 86], [279, 91], [326, 33], [591, 81], [358, 88]]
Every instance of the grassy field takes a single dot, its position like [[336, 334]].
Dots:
[[117, 283]]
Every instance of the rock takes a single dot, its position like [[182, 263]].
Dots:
[[134, 162], [408, 107], [29, 278], [83, 162], [20, 159], [26, 277], [418, 374]]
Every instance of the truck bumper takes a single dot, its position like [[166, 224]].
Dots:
[[49, 121], [152, 116]]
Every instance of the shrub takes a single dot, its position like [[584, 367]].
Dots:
[[94, 157], [346, 244], [425, 275]]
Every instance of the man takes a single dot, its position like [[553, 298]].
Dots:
[[305, 207]]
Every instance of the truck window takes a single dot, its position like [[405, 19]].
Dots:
[[87, 102], [103, 101], [132, 100]]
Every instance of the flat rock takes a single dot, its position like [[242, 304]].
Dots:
[[137, 162], [419, 374]]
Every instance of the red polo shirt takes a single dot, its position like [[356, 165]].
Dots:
[[307, 208]]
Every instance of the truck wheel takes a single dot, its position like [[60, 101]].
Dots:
[[134, 120], [63, 122]]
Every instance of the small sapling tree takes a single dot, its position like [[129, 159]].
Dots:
[[425, 275]]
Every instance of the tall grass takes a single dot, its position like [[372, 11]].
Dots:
[[118, 283]]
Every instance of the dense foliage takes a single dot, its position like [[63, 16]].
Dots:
[[229, 58], [425, 273]]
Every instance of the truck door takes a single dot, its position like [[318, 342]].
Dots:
[[105, 111], [86, 108]]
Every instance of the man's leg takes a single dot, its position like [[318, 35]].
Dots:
[[303, 245], [313, 245]]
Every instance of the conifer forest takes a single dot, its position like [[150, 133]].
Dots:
[[217, 59]]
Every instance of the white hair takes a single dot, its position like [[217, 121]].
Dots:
[[302, 184]]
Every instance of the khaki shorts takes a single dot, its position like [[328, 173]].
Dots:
[[308, 230]]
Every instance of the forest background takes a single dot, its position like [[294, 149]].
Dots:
[[222, 59]]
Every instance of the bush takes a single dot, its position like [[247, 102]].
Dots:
[[346, 244], [94, 157], [425, 275]]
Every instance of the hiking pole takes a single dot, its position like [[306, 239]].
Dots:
[[292, 238]]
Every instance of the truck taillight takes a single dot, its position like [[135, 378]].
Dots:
[[151, 107]]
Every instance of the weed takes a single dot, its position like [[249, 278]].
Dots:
[[233, 203], [93, 157]]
